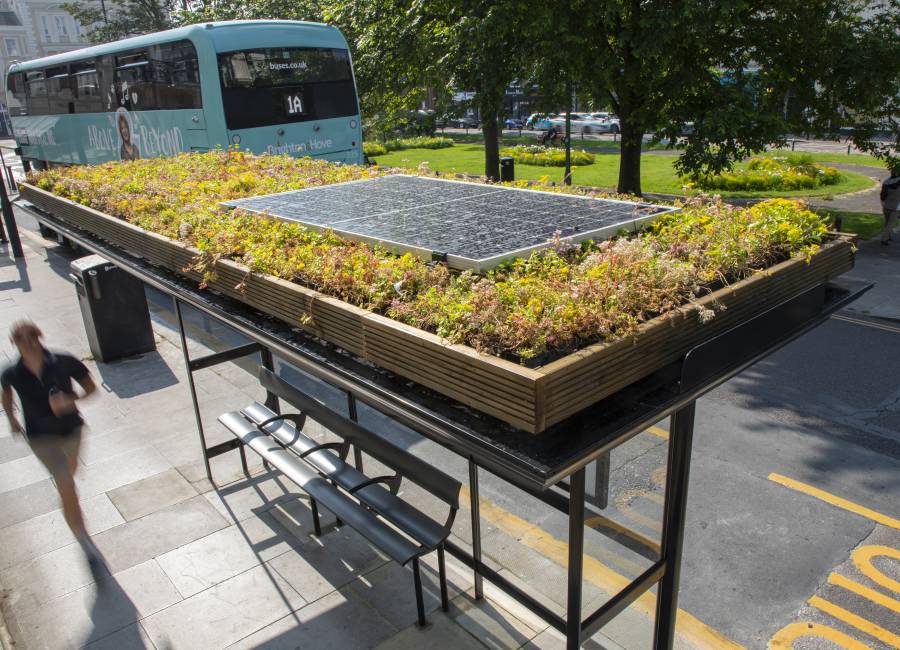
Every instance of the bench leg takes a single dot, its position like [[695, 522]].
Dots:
[[244, 461], [417, 581], [315, 515], [442, 570]]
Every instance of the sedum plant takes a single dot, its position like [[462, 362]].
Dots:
[[531, 309]]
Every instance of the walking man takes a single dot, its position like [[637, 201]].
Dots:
[[890, 204], [43, 382]]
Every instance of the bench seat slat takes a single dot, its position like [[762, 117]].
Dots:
[[400, 513], [398, 547]]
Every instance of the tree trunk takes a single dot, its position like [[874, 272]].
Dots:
[[630, 160], [491, 143]]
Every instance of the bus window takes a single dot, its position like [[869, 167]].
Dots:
[[16, 97], [279, 85], [86, 85], [132, 82], [59, 91], [36, 93], [176, 75]]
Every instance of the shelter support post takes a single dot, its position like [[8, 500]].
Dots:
[[681, 434], [474, 497], [576, 560]]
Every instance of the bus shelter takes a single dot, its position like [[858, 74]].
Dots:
[[566, 468]]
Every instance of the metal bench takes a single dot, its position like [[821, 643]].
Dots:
[[370, 506]]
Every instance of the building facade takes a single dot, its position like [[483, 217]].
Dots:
[[30, 29]]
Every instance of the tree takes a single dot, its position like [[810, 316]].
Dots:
[[122, 19], [735, 75]]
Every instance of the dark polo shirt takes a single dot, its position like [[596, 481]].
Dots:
[[34, 392]]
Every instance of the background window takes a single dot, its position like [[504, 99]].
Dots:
[[60, 98], [17, 97], [86, 88], [12, 46], [36, 93], [61, 29], [45, 27]]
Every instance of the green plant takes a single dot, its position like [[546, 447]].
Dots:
[[770, 173], [374, 149], [546, 156], [419, 142], [531, 309]]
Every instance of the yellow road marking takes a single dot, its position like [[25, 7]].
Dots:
[[785, 637], [856, 621], [827, 497], [597, 573], [600, 520], [659, 433], [862, 558], [865, 592]]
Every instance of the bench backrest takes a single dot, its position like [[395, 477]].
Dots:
[[438, 483]]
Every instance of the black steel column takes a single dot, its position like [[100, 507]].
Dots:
[[352, 413], [474, 499], [576, 559], [190, 377], [681, 434], [268, 363]]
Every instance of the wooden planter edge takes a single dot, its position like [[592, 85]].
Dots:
[[530, 399]]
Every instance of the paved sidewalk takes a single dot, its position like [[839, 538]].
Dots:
[[197, 567]]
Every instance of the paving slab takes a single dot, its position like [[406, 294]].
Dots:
[[21, 471], [52, 575], [153, 493], [490, 623], [442, 633], [13, 448], [337, 621], [328, 563], [45, 533], [120, 470], [226, 553], [251, 497], [130, 637], [224, 614], [20, 504], [96, 611], [134, 542]]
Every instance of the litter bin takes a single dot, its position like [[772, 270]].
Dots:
[[507, 169], [114, 309]]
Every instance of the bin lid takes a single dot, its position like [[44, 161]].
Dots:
[[85, 264]]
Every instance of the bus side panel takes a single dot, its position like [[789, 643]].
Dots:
[[98, 137]]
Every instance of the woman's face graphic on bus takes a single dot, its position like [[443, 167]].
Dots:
[[124, 131]]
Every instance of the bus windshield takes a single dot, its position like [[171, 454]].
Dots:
[[267, 86]]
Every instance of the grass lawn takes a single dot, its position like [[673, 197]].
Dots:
[[864, 224], [657, 173]]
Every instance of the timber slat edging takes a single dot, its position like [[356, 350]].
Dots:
[[529, 398]]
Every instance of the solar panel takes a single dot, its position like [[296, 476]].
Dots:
[[469, 225]]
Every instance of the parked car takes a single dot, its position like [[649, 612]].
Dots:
[[514, 123], [464, 122], [601, 123], [539, 121]]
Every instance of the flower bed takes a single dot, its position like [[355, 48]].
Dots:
[[794, 172], [533, 154], [399, 144], [600, 299]]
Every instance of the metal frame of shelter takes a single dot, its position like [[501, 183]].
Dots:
[[542, 466]]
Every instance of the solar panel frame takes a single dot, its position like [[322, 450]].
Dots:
[[343, 226]]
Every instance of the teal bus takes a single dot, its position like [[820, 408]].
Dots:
[[266, 86]]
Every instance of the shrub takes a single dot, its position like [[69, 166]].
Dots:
[[530, 309], [420, 142], [764, 174], [546, 156], [374, 149]]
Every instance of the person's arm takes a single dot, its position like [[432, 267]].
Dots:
[[9, 408], [64, 403]]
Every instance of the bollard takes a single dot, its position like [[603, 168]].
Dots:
[[9, 220], [793, 144], [848, 148]]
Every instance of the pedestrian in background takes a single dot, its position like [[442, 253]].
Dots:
[[890, 204], [43, 382]]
